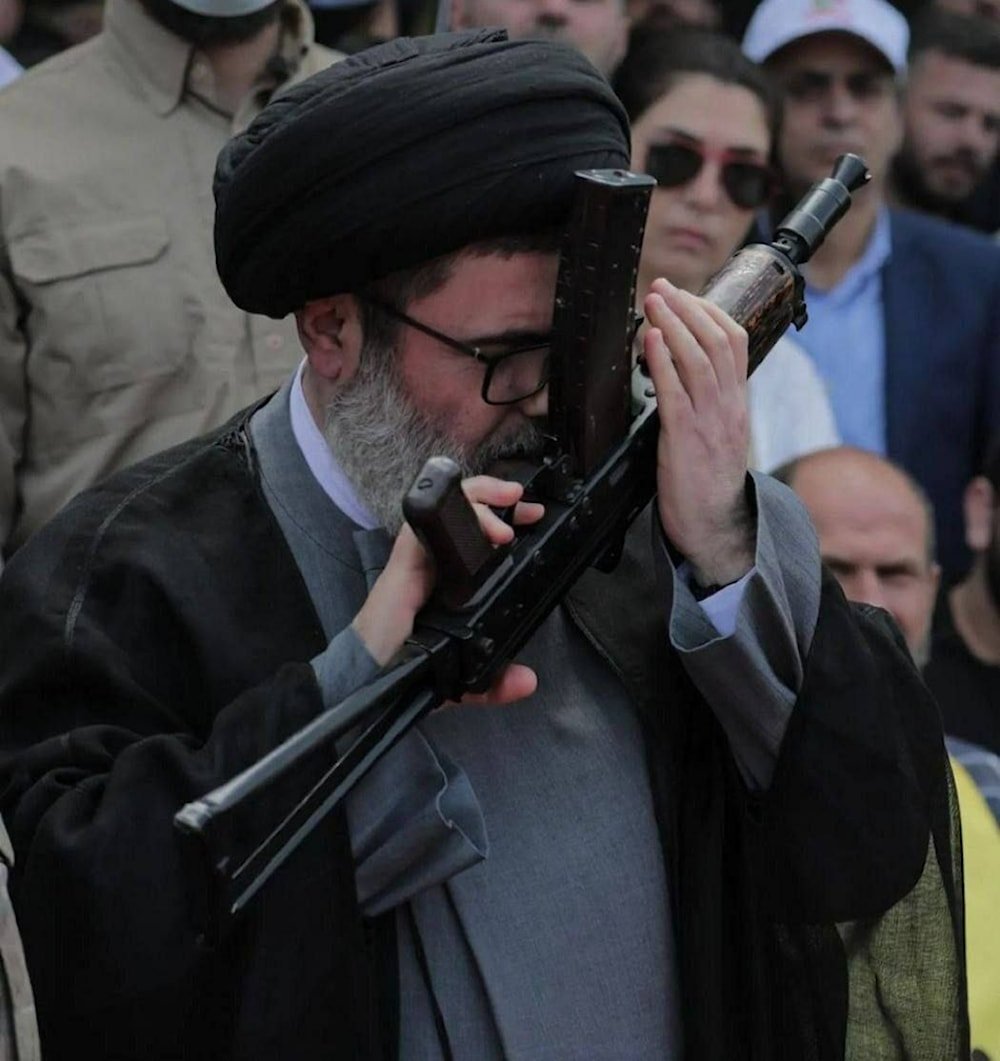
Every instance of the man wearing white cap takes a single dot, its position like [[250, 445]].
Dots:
[[904, 310], [116, 337]]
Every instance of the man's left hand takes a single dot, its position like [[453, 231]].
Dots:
[[697, 360]]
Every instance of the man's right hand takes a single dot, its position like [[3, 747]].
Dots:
[[404, 587]]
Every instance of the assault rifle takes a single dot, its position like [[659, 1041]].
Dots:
[[598, 474]]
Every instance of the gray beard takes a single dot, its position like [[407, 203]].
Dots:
[[381, 441]]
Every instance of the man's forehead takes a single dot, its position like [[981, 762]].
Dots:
[[858, 506], [936, 70], [829, 51], [495, 290], [879, 537]]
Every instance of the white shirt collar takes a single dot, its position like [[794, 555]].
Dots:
[[326, 471]]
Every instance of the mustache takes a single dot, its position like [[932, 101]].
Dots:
[[524, 441], [962, 158]]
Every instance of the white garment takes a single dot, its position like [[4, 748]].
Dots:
[[790, 412]]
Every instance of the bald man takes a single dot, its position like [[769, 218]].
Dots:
[[876, 534]]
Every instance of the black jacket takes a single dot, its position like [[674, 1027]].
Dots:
[[155, 642]]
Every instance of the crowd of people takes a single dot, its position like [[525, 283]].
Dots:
[[253, 257]]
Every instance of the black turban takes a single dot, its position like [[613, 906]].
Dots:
[[402, 153]]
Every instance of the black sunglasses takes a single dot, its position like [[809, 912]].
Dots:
[[748, 184]]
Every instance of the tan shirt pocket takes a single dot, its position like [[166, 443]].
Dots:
[[106, 310]]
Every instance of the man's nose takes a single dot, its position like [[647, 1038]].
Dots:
[[536, 406], [553, 12], [841, 106]]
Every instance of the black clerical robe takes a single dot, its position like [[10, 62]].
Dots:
[[156, 639]]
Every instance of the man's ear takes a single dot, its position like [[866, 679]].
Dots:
[[331, 334], [935, 579], [979, 501]]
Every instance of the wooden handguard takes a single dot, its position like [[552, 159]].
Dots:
[[761, 290]]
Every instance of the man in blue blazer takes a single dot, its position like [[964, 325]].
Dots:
[[904, 310]]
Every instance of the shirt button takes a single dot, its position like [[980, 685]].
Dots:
[[275, 342]]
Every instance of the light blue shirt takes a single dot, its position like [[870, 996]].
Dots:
[[845, 338], [10, 68]]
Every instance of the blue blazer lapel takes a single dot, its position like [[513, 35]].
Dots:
[[908, 321]]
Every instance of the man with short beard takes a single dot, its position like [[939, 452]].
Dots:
[[116, 337], [951, 115], [964, 669], [645, 840]]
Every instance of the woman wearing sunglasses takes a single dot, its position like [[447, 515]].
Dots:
[[704, 120]]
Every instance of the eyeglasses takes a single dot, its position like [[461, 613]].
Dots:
[[512, 375], [748, 184], [813, 86]]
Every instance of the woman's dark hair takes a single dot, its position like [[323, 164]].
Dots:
[[657, 59]]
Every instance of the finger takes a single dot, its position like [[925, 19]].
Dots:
[[528, 512], [515, 682], [705, 327], [489, 490], [672, 398], [692, 363], [738, 338], [496, 530], [408, 553]]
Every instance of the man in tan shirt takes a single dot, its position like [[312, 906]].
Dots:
[[116, 337]]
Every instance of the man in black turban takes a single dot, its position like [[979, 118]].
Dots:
[[641, 841]]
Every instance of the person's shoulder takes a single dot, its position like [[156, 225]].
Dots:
[[65, 66], [142, 514], [55, 88]]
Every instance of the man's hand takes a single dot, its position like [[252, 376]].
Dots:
[[697, 359], [404, 587]]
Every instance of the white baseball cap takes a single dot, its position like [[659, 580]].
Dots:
[[776, 23], [223, 8]]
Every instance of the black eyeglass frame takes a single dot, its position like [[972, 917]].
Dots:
[[490, 362]]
